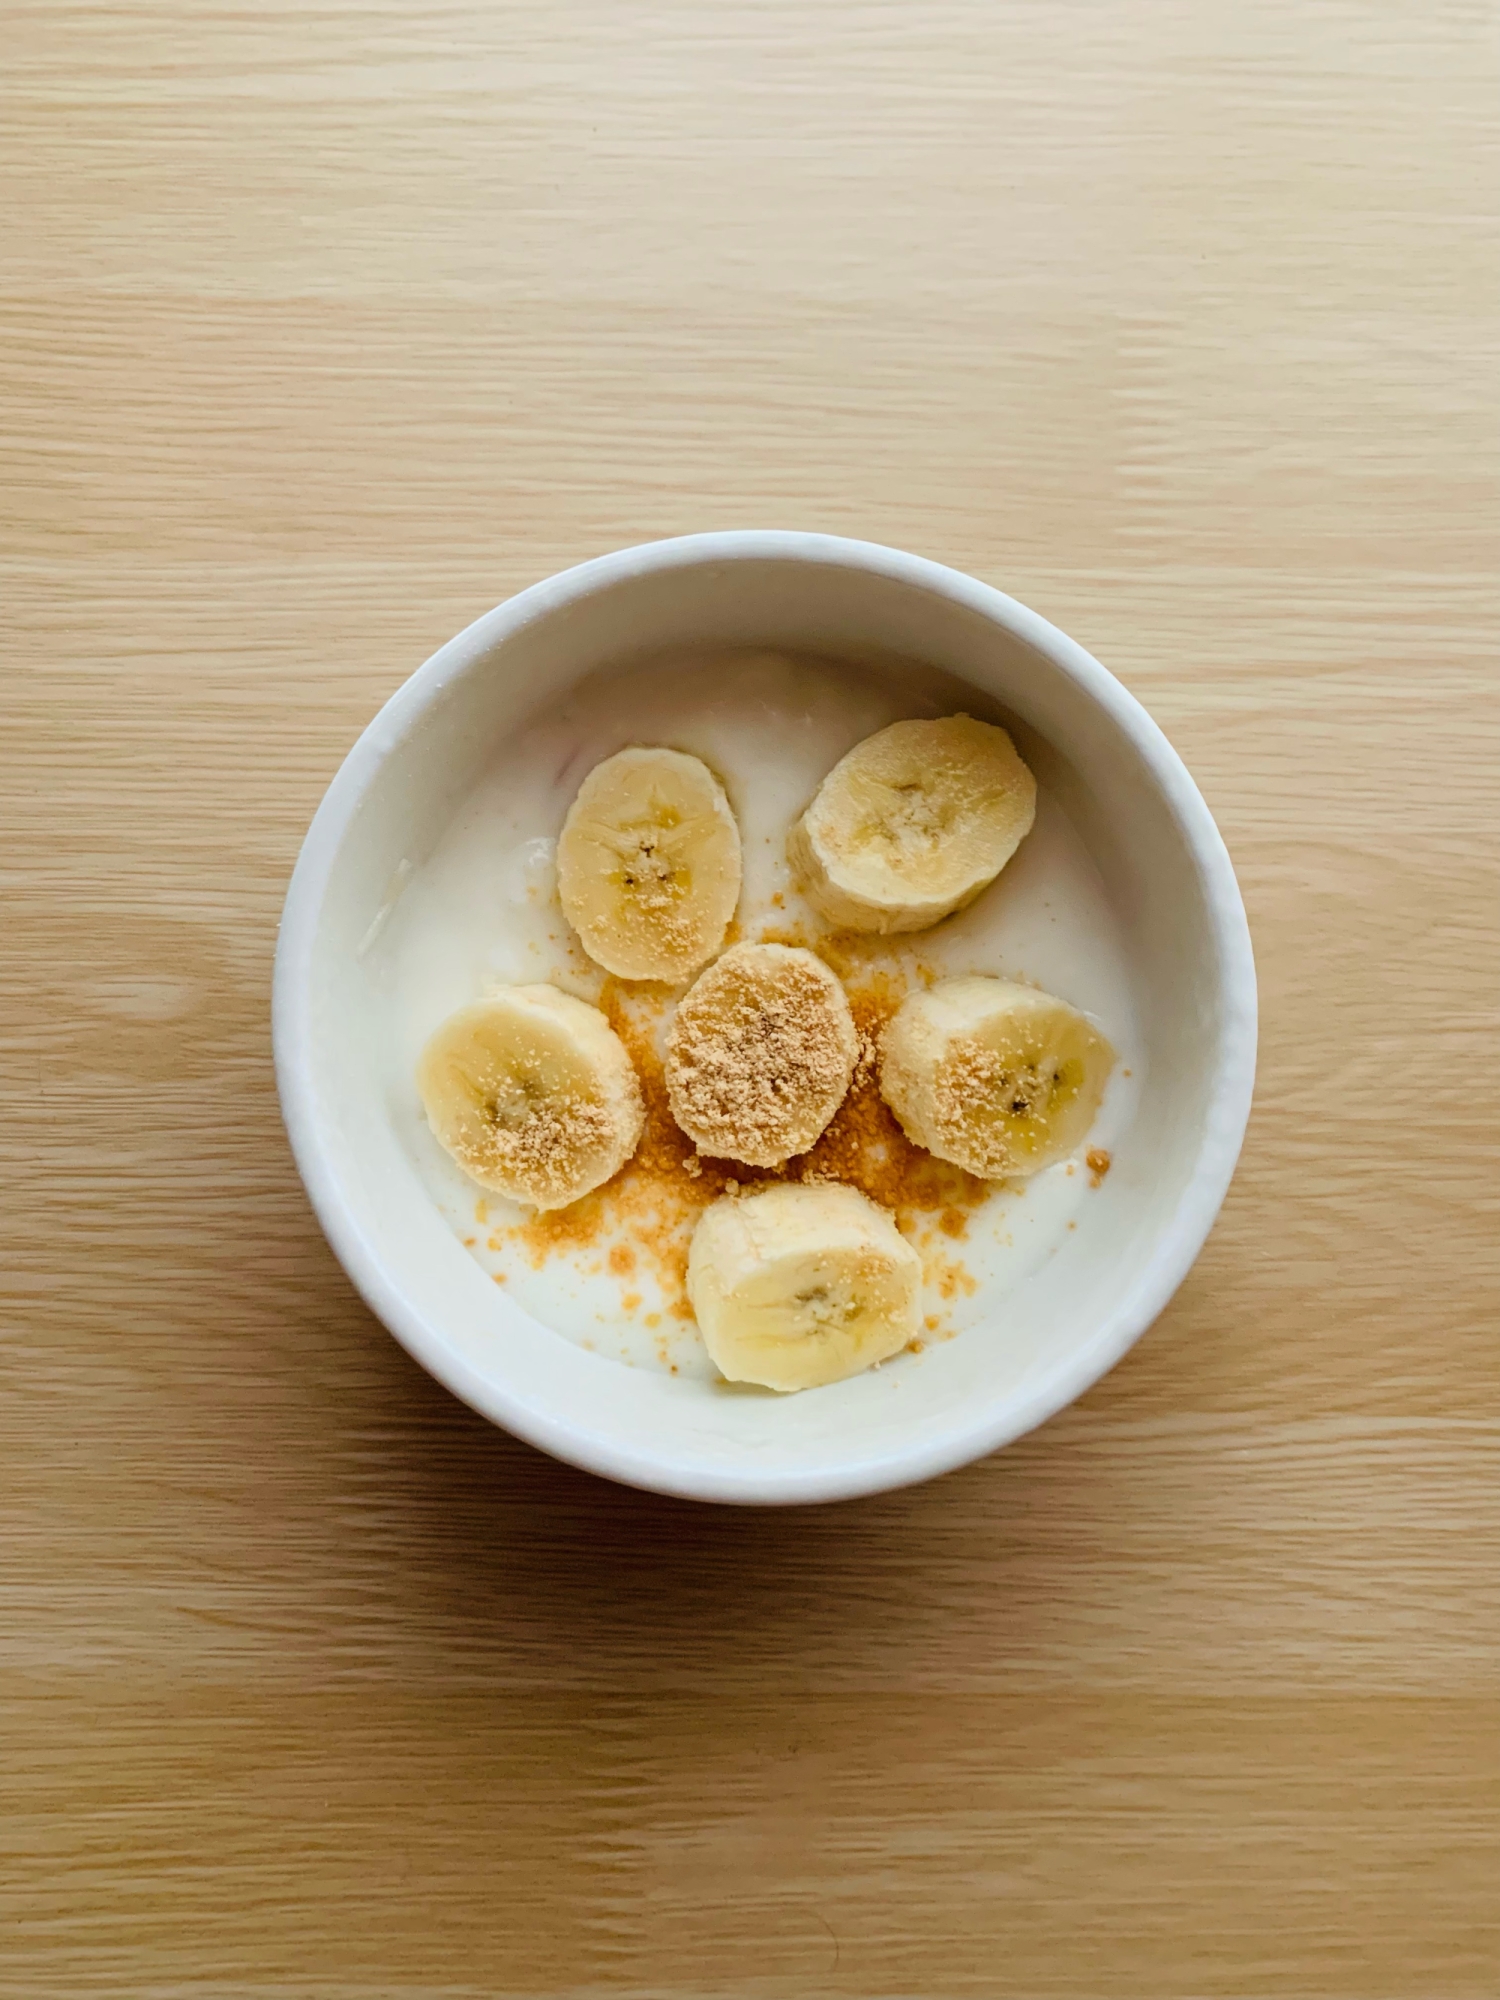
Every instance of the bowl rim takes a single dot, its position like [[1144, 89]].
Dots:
[[971, 1437]]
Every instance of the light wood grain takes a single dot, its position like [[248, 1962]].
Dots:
[[320, 331]]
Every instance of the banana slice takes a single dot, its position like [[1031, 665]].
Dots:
[[648, 864], [533, 1094], [794, 1286], [760, 1054], [912, 824], [995, 1077]]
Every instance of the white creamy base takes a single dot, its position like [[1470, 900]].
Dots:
[[483, 909]]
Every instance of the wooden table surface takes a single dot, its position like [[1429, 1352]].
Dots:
[[321, 330]]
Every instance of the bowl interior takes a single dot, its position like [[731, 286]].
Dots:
[[1164, 871]]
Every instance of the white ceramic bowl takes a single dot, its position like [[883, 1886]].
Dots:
[[1164, 866]]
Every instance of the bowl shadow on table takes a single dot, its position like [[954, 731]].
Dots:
[[509, 1561]]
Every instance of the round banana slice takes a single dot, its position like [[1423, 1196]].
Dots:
[[912, 824], [760, 1054], [533, 1094], [995, 1077], [648, 864], [794, 1286]]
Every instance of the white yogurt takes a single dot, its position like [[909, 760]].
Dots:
[[483, 909]]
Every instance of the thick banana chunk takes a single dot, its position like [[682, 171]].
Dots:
[[995, 1077], [648, 864], [533, 1094], [760, 1054], [794, 1286], [912, 824]]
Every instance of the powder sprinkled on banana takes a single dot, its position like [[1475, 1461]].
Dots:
[[533, 1094], [549, 1153], [760, 1054], [998, 1078]]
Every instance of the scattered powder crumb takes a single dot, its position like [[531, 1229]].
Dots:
[[796, 939], [916, 1346], [1098, 1163], [499, 1277], [630, 1301], [867, 1062], [778, 902], [470, 1241], [947, 1278], [653, 1319], [621, 1260]]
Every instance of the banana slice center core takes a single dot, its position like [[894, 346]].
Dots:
[[648, 870], [913, 821], [507, 1102]]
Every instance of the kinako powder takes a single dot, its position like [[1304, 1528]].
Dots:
[[654, 1202]]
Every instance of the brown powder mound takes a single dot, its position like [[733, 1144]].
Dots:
[[760, 1053], [655, 1200]]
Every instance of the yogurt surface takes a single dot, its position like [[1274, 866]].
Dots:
[[482, 909]]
